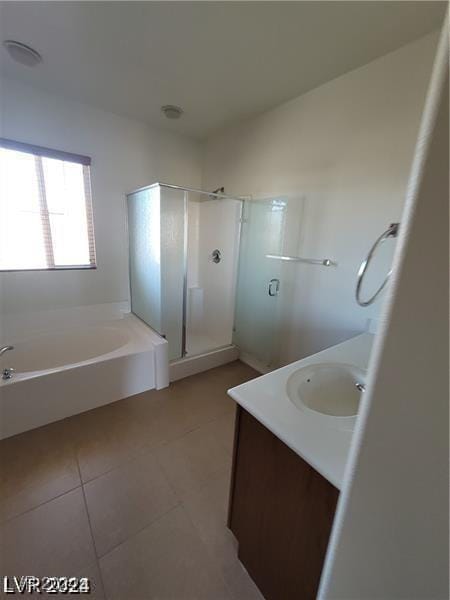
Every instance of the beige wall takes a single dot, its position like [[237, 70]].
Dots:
[[345, 150], [390, 536], [126, 154]]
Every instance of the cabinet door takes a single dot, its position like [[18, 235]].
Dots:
[[281, 513]]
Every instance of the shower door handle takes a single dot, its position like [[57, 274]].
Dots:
[[274, 287]]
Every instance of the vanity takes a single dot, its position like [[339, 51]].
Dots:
[[292, 436]]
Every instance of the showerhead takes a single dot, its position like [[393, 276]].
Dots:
[[220, 190]]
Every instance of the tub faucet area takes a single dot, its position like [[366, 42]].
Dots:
[[8, 372], [5, 349]]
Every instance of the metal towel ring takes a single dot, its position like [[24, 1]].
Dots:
[[390, 232]]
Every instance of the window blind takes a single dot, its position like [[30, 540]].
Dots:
[[46, 208]]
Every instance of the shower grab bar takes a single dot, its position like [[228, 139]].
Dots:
[[391, 231], [325, 262]]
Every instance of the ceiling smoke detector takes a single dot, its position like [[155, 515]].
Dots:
[[171, 111], [23, 54]]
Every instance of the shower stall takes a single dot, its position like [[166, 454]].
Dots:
[[213, 273], [184, 247]]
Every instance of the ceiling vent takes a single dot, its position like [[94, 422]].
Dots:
[[171, 111], [23, 54]]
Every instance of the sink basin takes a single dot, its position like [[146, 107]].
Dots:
[[327, 388]]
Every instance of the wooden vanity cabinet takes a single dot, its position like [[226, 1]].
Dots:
[[281, 512]]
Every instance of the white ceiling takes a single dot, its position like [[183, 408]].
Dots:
[[220, 61]]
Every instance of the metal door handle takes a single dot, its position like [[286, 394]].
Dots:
[[274, 287]]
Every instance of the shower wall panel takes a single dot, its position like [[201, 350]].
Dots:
[[156, 228], [145, 256]]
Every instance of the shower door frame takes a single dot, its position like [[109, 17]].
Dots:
[[185, 270], [213, 196]]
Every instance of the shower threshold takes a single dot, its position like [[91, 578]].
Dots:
[[200, 343], [192, 364]]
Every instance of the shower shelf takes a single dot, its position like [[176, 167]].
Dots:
[[324, 262]]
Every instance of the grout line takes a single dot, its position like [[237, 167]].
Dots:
[[144, 450], [141, 451], [97, 562], [136, 533], [180, 503], [209, 551], [9, 519]]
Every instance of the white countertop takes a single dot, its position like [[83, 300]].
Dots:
[[322, 444]]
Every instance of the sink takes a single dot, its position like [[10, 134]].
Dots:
[[329, 389]]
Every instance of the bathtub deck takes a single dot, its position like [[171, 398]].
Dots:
[[132, 495]]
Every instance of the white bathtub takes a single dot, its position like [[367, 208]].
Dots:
[[73, 369]]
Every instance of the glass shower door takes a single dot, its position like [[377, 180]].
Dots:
[[260, 284], [212, 253]]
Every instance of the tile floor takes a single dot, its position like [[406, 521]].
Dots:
[[132, 495]]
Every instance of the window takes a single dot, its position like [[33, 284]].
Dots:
[[45, 209]]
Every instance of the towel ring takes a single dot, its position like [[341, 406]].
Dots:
[[390, 232]]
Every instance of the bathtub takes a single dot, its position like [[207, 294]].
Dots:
[[75, 368]]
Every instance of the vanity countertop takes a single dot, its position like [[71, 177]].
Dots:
[[322, 444]]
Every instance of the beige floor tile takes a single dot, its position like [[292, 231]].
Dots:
[[92, 572], [191, 460], [208, 509], [217, 381], [36, 466], [111, 435], [224, 430], [126, 499], [189, 426], [185, 406], [51, 540], [192, 407], [175, 416], [232, 374], [165, 561], [239, 583]]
